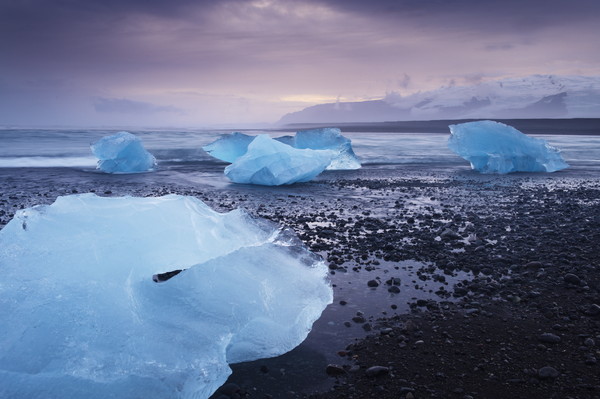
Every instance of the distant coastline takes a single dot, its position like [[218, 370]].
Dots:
[[574, 126]]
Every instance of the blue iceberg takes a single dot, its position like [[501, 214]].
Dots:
[[122, 153], [271, 163], [493, 147], [289, 140], [146, 297], [329, 139], [230, 147]]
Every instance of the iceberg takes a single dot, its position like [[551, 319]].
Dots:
[[289, 140], [493, 147], [329, 139], [230, 147], [122, 153], [147, 297], [269, 162]]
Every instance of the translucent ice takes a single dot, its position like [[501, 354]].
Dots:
[[229, 147], [329, 139], [271, 163], [122, 153], [83, 318], [494, 147]]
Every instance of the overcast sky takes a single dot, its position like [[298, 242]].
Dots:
[[203, 62]]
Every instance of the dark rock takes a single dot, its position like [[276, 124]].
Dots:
[[549, 338], [229, 389], [334, 370], [571, 278], [594, 310], [450, 235], [358, 319], [373, 283], [534, 265], [394, 289], [548, 372], [590, 359], [376, 371]]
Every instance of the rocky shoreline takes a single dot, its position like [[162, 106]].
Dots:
[[515, 259]]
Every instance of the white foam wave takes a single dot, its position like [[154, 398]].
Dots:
[[47, 162]]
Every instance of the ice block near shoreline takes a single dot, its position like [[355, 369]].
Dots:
[[493, 147], [329, 139], [269, 162], [82, 316], [230, 147], [122, 152]]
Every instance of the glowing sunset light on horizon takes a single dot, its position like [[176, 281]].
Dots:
[[199, 63]]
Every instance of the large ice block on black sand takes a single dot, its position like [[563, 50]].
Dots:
[[85, 316]]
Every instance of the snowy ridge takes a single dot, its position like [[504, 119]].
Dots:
[[537, 96]]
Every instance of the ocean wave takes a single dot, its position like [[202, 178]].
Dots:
[[47, 162]]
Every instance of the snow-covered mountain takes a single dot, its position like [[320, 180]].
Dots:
[[537, 96]]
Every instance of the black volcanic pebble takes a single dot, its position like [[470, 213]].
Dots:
[[534, 265], [376, 371], [549, 338], [373, 283], [571, 278], [548, 372], [334, 370], [594, 310]]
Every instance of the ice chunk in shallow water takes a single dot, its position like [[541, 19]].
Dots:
[[122, 153], [494, 147], [329, 139], [229, 147], [82, 316], [271, 163]]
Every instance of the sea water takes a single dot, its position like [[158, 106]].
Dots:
[[180, 151]]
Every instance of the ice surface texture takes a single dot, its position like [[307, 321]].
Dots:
[[329, 139], [122, 153], [230, 147], [494, 147], [269, 162], [82, 317]]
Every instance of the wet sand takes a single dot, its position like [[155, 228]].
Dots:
[[463, 285]]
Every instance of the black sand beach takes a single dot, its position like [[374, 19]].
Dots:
[[501, 275]]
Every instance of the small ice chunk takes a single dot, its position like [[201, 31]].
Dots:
[[82, 315], [271, 163], [229, 147], [493, 147], [329, 139], [122, 153]]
